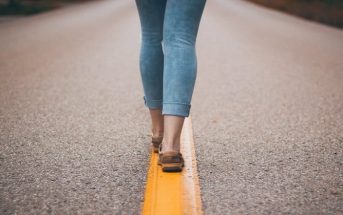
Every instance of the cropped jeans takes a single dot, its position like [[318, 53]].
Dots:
[[168, 61]]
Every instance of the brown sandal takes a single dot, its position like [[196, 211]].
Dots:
[[156, 142], [171, 161]]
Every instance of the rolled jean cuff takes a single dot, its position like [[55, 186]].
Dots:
[[177, 109], [153, 104]]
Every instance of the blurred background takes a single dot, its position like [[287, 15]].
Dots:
[[325, 11], [29, 7]]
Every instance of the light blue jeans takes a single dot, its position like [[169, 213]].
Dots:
[[168, 61]]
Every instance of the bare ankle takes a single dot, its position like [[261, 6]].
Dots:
[[157, 133], [170, 146]]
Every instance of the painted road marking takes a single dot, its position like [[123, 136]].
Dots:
[[178, 192]]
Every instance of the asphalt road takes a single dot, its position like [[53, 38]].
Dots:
[[267, 112]]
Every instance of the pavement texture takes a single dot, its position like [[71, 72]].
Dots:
[[73, 128], [267, 112]]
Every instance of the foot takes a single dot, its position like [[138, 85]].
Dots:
[[170, 161], [156, 142]]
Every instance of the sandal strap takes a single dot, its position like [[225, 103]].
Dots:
[[171, 153], [171, 157]]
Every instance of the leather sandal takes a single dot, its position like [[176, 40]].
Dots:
[[156, 142], [171, 161]]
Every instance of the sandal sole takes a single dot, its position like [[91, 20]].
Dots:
[[154, 149], [171, 167]]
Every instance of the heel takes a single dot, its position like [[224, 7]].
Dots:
[[171, 161], [156, 142]]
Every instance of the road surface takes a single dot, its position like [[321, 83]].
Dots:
[[267, 112]]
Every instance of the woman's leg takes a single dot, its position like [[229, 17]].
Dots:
[[181, 24], [157, 122], [151, 14]]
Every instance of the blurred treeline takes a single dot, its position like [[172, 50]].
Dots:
[[325, 11], [27, 7]]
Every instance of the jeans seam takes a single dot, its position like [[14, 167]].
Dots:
[[176, 103], [152, 99]]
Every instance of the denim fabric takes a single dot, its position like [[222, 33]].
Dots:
[[168, 61]]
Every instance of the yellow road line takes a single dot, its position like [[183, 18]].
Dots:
[[174, 193]]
